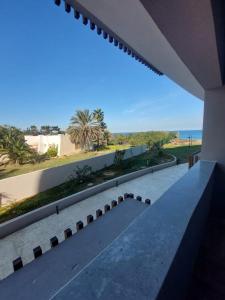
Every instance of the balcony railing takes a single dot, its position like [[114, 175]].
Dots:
[[194, 158]]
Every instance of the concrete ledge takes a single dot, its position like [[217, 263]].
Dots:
[[47, 210]]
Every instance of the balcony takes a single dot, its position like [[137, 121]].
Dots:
[[152, 258]]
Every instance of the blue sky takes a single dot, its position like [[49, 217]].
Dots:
[[51, 65]]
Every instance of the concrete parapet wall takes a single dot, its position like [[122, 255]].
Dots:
[[23, 186], [40, 213]]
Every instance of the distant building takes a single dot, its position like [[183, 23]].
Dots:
[[41, 143]]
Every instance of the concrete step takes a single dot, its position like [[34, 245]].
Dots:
[[44, 276]]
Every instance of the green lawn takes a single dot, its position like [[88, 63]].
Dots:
[[182, 152], [14, 170], [71, 187]]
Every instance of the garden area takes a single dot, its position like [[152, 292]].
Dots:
[[182, 151], [88, 130], [13, 169], [84, 178]]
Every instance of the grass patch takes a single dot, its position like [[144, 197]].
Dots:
[[182, 152], [14, 170]]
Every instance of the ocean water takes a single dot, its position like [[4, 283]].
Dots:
[[182, 134], [194, 134]]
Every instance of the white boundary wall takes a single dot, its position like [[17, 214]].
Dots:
[[41, 143], [22, 186]]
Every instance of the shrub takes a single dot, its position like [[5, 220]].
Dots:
[[38, 158], [82, 174], [118, 159], [13, 144], [4, 159], [155, 148], [52, 151], [142, 138]]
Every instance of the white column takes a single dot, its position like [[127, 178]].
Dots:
[[213, 147]]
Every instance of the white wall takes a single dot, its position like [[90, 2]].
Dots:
[[65, 146], [33, 141], [26, 185], [213, 147], [41, 143]]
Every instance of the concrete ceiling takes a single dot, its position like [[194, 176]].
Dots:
[[189, 28], [177, 36]]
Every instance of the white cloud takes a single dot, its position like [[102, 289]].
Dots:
[[143, 107]]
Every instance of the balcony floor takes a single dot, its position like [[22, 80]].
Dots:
[[46, 276], [21, 243]]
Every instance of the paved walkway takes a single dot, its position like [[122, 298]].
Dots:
[[22, 242], [45, 276]]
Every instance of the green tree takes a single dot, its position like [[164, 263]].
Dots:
[[98, 115], [32, 130], [50, 130], [84, 129], [107, 137], [142, 138], [101, 137], [13, 144]]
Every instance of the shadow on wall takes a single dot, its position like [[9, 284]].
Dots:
[[55, 176], [5, 174], [27, 185]]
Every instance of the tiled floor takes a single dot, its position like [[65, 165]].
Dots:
[[21, 243], [44, 277]]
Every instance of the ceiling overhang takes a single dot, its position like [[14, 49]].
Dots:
[[177, 37], [189, 27]]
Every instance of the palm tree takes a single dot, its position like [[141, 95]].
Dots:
[[13, 144], [99, 116], [84, 128]]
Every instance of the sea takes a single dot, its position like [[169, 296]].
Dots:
[[193, 134], [182, 134]]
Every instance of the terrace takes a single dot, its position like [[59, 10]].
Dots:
[[166, 251]]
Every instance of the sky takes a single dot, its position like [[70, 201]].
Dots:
[[51, 65]]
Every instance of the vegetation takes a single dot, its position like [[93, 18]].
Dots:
[[100, 139], [86, 176], [80, 180], [118, 159], [144, 138], [89, 130], [45, 130], [13, 145], [43, 163], [82, 174], [84, 129], [32, 130], [52, 151], [182, 152]]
